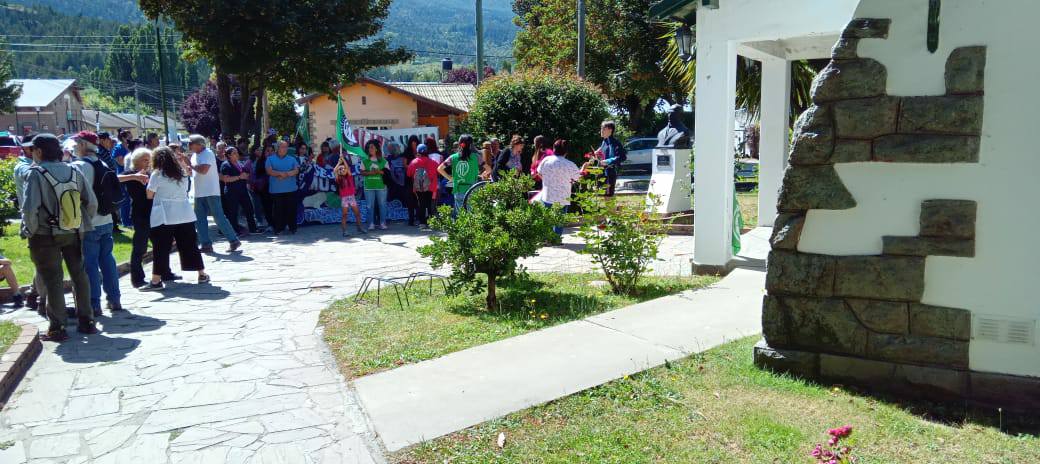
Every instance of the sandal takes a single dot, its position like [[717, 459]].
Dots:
[[57, 336], [204, 279]]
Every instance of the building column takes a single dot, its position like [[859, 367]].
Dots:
[[713, 153], [773, 144]]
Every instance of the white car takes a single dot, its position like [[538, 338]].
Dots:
[[640, 155]]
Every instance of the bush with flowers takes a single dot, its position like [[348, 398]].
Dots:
[[838, 449]]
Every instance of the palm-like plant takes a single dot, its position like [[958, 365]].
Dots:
[[749, 77]]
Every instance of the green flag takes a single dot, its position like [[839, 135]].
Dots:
[[303, 126], [345, 133], [738, 222]]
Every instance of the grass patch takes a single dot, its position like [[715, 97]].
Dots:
[[16, 249], [367, 338], [748, 207], [9, 332], [718, 408]]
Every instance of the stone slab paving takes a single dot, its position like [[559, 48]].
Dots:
[[429, 399], [234, 371]]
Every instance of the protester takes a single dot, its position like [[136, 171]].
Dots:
[[236, 190], [152, 141], [372, 169], [172, 218], [558, 173], [487, 159], [207, 195], [504, 162], [335, 153], [261, 199], [21, 169], [219, 151], [402, 181], [613, 154], [7, 273], [54, 193], [435, 155], [134, 178], [347, 196], [282, 170], [464, 167], [98, 243], [324, 152], [541, 147], [423, 173]]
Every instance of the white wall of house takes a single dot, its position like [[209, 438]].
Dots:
[[1000, 281], [774, 32]]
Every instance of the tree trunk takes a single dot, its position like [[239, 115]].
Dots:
[[635, 114], [492, 297], [245, 124], [224, 102]]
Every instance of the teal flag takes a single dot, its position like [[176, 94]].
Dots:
[[303, 126], [345, 133], [738, 222]]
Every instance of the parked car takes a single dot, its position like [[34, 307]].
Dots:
[[640, 156], [746, 175], [10, 146]]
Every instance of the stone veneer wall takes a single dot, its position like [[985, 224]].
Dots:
[[859, 319]]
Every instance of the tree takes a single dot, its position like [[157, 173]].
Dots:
[[466, 75], [8, 93], [200, 112], [281, 111], [529, 104], [622, 52], [280, 45], [500, 228]]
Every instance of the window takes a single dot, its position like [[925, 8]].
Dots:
[[364, 100]]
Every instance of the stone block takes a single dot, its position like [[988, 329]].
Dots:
[[774, 327], [813, 187], [928, 246], [911, 349], [905, 148], [956, 114], [899, 278], [867, 28], [813, 137], [826, 325], [787, 228], [937, 321], [792, 273], [865, 372], [948, 218], [797, 363], [866, 118], [1011, 392], [852, 151], [881, 316], [845, 49], [966, 70], [931, 382], [848, 79]]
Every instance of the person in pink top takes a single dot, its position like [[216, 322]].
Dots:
[[541, 147], [347, 189], [423, 172]]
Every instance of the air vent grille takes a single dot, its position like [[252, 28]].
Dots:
[[1002, 330]]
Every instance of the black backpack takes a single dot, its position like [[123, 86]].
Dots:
[[106, 188]]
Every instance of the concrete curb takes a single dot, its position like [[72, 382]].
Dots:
[[16, 361]]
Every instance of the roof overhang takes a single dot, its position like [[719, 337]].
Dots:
[[368, 80], [675, 10]]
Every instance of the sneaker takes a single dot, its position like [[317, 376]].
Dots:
[[54, 335], [115, 307], [137, 283], [234, 246], [206, 249], [86, 327], [382, 227], [152, 286], [346, 234], [97, 312], [170, 277], [204, 279], [18, 299], [371, 226]]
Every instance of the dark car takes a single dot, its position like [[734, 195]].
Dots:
[[9, 145]]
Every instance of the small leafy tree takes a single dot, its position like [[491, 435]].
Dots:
[[500, 227], [622, 239], [9, 93], [559, 106], [8, 194]]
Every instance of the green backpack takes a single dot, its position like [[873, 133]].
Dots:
[[69, 216]]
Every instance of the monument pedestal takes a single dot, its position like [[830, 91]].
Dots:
[[670, 180]]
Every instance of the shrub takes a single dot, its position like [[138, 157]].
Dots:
[[8, 195], [558, 106], [500, 227], [622, 239]]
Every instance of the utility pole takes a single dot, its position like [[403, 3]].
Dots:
[[162, 88], [137, 109], [480, 41], [581, 39]]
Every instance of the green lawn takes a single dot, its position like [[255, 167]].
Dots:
[[15, 249], [718, 408], [9, 331], [748, 205], [366, 338]]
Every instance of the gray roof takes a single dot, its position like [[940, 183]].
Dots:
[[455, 95], [105, 119], [40, 92]]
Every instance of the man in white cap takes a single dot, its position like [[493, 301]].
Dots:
[[207, 195]]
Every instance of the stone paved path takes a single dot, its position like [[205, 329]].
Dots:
[[231, 372]]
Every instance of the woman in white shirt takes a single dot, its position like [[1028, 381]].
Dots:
[[173, 217]]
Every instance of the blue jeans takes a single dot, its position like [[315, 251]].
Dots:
[[125, 213], [376, 198], [100, 265], [460, 198], [557, 229], [205, 207]]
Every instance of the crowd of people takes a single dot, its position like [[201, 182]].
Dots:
[[75, 195]]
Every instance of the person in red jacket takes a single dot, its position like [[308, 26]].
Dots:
[[423, 173]]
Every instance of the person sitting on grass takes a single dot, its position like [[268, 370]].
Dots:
[[347, 191], [7, 273]]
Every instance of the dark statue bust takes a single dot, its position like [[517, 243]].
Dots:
[[675, 134]]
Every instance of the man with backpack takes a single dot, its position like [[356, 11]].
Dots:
[[423, 172], [57, 203], [98, 260]]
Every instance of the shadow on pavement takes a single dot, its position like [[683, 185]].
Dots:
[[193, 292], [95, 348], [125, 322]]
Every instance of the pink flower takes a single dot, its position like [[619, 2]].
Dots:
[[817, 451]]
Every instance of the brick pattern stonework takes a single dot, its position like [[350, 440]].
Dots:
[[859, 319], [15, 362]]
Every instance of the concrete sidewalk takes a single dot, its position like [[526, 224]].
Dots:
[[423, 401]]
